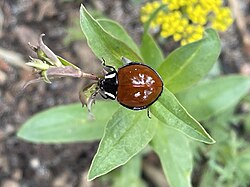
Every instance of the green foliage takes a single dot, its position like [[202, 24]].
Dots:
[[176, 160], [130, 172], [188, 64], [103, 44], [118, 32], [209, 98], [128, 132], [66, 124], [151, 53], [169, 111], [228, 160]]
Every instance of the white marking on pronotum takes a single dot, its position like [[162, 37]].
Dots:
[[110, 76], [109, 94]]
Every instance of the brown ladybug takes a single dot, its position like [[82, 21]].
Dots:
[[135, 85]]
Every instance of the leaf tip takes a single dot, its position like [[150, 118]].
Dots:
[[90, 177], [83, 9], [20, 133], [82, 6], [212, 141], [207, 138], [93, 174]]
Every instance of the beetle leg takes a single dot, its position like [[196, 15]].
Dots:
[[148, 113], [87, 97], [103, 95], [126, 61], [90, 102]]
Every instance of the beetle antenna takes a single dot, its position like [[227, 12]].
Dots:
[[106, 67], [103, 61]]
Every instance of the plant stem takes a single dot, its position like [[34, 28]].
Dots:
[[69, 71]]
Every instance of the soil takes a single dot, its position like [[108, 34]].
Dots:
[[22, 21]]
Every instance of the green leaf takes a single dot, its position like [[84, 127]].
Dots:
[[67, 63], [169, 111], [127, 133], [115, 29], [175, 154], [67, 123], [151, 53], [130, 172], [103, 44], [188, 64], [209, 98]]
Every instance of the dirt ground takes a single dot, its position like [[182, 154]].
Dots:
[[22, 21]]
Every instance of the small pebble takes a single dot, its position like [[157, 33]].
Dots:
[[35, 163]]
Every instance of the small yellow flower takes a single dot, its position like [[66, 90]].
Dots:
[[184, 42], [177, 37], [185, 20], [190, 29], [164, 34]]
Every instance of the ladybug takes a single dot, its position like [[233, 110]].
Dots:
[[135, 85]]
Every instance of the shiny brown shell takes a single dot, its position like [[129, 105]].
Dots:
[[139, 86]]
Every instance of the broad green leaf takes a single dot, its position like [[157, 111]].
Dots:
[[130, 174], [103, 44], [115, 29], [151, 52], [67, 123], [188, 64], [169, 111], [127, 133], [209, 98], [175, 154]]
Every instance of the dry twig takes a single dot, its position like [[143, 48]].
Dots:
[[155, 175], [241, 24]]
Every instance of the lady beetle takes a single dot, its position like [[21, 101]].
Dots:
[[135, 85]]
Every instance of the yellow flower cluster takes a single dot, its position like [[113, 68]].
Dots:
[[186, 20], [222, 19], [147, 10]]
